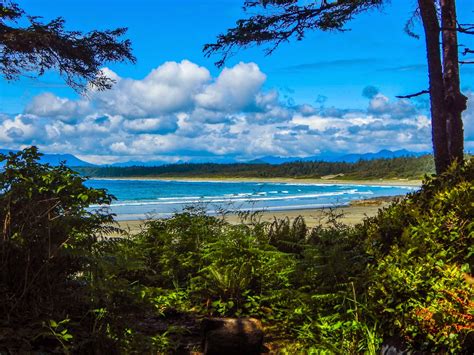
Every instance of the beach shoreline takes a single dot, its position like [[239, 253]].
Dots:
[[322, 181], [351, 214]]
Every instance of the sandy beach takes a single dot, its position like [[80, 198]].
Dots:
[[351, 215]]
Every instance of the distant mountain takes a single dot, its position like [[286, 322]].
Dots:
[[138, 163], [212, 160], [348, 158], [383, 154], [56, 159], [160, 162], [274, 160], [73, 161]]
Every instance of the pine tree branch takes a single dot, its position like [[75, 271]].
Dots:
[[280, 20], [423, 92], [38, 47]]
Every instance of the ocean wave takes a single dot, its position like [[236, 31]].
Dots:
[[256, 183], [231, 199]]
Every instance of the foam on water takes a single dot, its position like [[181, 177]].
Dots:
[[137, 198]]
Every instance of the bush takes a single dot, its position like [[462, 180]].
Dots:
[[225, 268], [172, 248], [47, 231], [423, 251], [241, 270], [48, 238], [405, 273]]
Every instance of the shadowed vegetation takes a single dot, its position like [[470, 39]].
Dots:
[[405, 274]]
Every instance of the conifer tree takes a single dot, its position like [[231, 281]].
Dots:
[[278, 21]]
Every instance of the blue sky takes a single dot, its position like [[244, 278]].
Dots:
[[305, 99]]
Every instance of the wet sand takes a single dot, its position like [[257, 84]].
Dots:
[[351, 215]]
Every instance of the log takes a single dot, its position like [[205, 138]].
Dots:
[[232, 336]]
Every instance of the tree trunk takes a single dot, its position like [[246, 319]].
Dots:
[[438, 114], [455, 102]]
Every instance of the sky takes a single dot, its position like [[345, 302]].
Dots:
[[331, 93]]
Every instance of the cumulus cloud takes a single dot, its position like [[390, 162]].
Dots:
[[381, 105], [21, 129], [167, 89], [179, 111], [163, 125], [49, 105], [235, 89]]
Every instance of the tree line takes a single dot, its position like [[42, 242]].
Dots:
[[401, 168]]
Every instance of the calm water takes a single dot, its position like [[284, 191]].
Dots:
[[137, 199]]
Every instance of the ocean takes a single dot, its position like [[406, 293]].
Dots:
[[140, 199]]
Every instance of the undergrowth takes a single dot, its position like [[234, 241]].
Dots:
[[404, 275]]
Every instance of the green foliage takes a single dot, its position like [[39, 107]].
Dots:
[[422, 249], [405, 273], [241, 266], [279, 21], [224, 267], [59, 332], [172, 248], [47, 244], [288, 237], [48, 233]]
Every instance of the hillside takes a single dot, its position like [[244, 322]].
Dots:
[[55, 159]]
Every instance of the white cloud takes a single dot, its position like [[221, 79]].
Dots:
[[381, 105], [21, 129], [163, 125], [178, 111], [49, 105], [234, 89], [169, 88]]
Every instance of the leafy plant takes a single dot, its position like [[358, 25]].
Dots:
[[59, 332], [48, 239], [422, 249]]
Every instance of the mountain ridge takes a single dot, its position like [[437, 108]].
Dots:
[[73, 161], [347, 158], [56, 159]]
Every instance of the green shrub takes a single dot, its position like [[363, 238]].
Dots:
[[241, 267], [47, 246], [172, 248], [48, 233], [328, 289], [422, 249]]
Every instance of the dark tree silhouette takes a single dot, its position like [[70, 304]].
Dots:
[[40, 46], [277, 21]]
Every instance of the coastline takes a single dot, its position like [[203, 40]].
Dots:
[[351, 215], [322, 181]]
